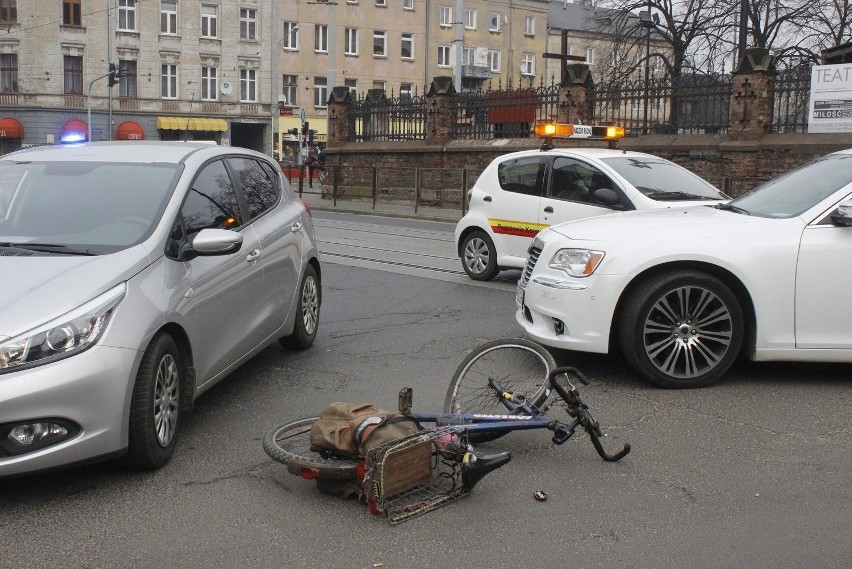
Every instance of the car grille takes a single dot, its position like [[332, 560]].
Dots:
[[533, 253]]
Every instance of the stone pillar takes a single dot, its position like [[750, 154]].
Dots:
[[751, 100], [341, 128], [575, 106], [440, 115]]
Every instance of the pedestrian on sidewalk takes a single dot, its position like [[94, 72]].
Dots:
[[313, 163]]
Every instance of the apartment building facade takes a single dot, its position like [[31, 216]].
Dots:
[[188, 70]]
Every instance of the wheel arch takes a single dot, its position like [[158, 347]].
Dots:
[[314, 262], [463, 235], [727, 277]]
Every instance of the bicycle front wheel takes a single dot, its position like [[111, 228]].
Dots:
[[518, 366], [289, 443]]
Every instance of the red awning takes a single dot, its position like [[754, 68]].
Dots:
[[73, 130], [129, 130], [11, 128]]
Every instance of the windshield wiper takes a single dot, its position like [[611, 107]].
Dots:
[[52, 248], [733, 208], [658, 194]]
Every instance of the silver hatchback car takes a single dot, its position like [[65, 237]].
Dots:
[[133, 277]]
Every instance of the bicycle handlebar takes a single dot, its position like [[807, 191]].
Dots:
[[580, 412]]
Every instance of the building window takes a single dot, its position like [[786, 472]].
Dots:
[[168, 17], [127, 15], [168, 84], [248, 23], [350, 41], [408, 4], [8, 11], [289, 88], [494, 22], [71, 13], [290, 39], [351, 1], [529, 26], [446, 16], [352, 85], [73, 75], [590, 55], [9, 73], [407, 50], [494, 60], [379, 85], [468, 56], [380, 40], [320, 91], [321, 38], [127, 79], [209, 20], [381, 3], [527, 64], [248, 85], [405, 90], [470, 20], [444, 56], [209, 83]]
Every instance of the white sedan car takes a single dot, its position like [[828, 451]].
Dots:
[[683, 291], [521, 193]]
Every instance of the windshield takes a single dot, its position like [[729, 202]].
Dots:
[[81, 207], [799, 190], [663, 180]]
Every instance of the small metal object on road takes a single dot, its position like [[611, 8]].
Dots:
[[540, 496]]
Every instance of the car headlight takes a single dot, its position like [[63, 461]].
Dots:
[[65, 336], [576, 262]]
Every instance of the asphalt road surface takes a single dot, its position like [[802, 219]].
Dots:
[[751, 472]]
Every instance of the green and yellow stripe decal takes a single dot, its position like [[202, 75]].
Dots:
[[519, 228]]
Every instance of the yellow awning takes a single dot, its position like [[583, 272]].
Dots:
[[180, 123]]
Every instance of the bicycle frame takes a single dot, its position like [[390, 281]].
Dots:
[[524, 417]]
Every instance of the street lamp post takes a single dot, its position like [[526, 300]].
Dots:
[[648, 22]]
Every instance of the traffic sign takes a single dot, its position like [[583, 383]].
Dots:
[[302, 115]]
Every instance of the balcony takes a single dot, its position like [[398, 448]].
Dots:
[[476, 71]]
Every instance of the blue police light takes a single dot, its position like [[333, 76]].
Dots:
[[72, 137]]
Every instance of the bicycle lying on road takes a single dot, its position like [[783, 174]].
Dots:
[[502, 386]]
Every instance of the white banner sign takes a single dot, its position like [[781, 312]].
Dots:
[[831, 98]]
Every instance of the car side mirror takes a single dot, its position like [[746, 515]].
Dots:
[[210, 243], [605, 196], [843, 214]]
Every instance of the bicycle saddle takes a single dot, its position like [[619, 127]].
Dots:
[[474, 468]]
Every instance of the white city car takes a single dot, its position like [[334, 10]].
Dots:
[[683, 291], [521, 193]]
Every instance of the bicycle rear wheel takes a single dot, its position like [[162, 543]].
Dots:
[[289, 443], [518, 365]]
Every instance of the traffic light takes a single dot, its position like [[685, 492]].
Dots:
[[293, 131], [305, 128], [112, 78], [311, 133]]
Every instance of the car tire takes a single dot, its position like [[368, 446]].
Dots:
[[681, 330], [307, 312], [155, 405], [479, 257]]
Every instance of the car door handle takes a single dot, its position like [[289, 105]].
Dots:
[[487, 199], [253, 256], [548, 209], [296, 227]]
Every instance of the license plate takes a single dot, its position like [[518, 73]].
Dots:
[[519, 297]]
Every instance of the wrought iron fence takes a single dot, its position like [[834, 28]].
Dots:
[[691, 104], [791, 99], [503, 113], [695, 104], [389, 119]]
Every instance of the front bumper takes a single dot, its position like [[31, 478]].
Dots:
[[585, 307], [91, 389]]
